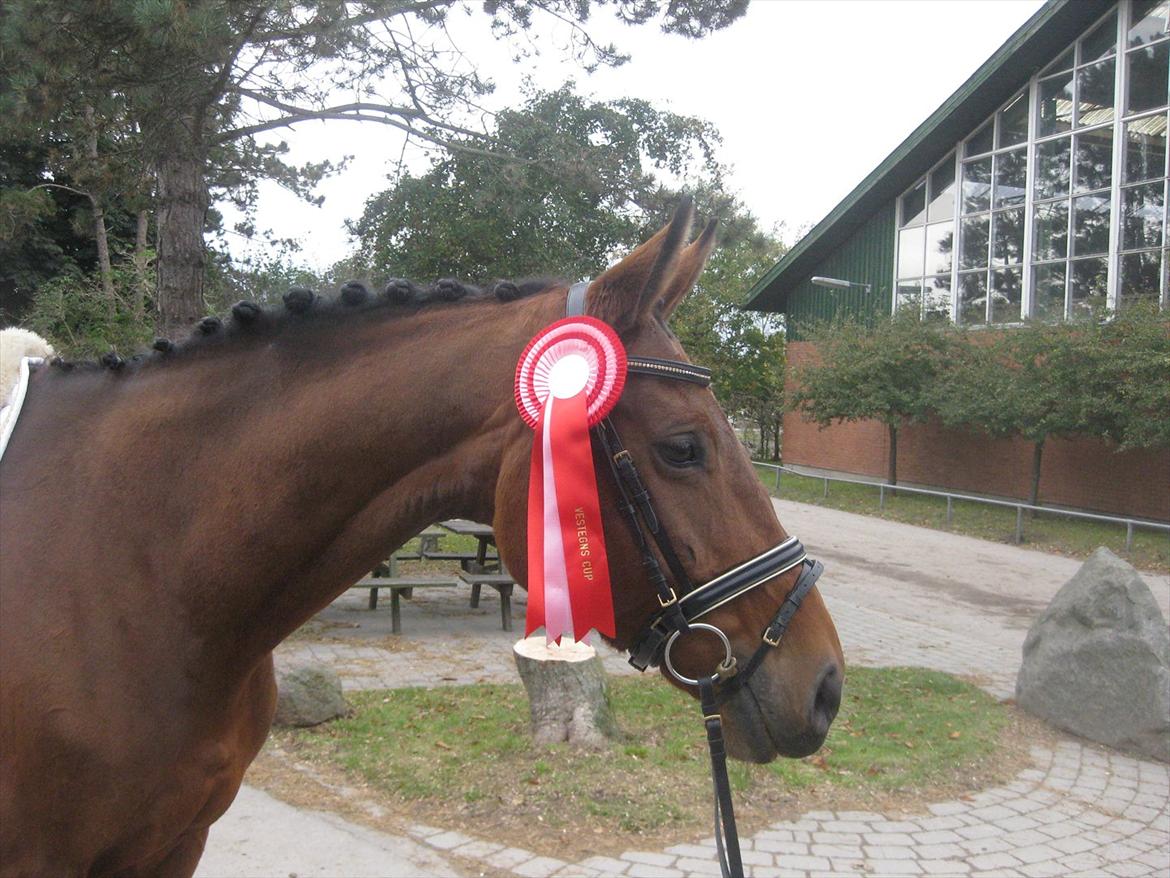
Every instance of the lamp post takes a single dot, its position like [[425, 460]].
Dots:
[[836, 283]]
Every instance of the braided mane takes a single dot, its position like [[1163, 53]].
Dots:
[[302, 306]]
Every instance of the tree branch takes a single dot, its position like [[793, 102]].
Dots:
[[225, 72], [277, 36], [358, 111], [449, 144], [80, 192]]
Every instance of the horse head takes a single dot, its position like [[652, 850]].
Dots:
[[709, 500]]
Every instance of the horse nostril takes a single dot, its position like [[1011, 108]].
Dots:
[[827, 699]]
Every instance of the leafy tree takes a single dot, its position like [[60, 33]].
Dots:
[[1104, 378], [471, 214], [746, 350], [1123, 373], [57, 216], [263, 278], [73, 310], [1024, 382], [576, 192], [883, 372], [188, 84]]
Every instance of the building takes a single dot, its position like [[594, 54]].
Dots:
[[1048, 168]]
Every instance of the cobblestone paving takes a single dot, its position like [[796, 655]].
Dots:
[[1079, 811]]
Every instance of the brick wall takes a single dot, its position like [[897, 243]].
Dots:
[[1083, 474]]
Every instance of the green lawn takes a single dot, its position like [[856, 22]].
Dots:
[[466, 750], [1050, 533]]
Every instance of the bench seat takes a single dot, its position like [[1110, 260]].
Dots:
[[398, 586], [503, 583], [462, 557]]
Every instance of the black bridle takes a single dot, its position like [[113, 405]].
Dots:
[[682, 604]]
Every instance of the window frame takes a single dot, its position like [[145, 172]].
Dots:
[[1121, 55]]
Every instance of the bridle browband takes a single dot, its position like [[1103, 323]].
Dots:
[[682, 605]]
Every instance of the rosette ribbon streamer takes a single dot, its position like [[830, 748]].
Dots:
[[569, 377]]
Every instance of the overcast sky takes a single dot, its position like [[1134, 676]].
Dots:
[[809, 95]]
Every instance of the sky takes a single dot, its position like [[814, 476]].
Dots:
[[808, 95]]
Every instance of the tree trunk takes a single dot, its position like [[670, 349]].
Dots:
[[892, 465], [776, 439], [141, 282], [182, 213], [105, 270], [567, 693], [763, 439], [1037, 453]]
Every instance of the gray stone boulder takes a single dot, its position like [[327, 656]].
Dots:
[[308, 694], [1097, 660]]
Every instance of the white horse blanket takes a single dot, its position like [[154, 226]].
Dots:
[[20, 352]]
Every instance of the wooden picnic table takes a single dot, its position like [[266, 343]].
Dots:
[[483, 564], [428, 541], [479, 569], [483, 534]]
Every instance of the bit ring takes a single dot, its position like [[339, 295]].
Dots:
[[696, 626]]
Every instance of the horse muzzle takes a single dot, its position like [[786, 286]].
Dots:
[[765, 718]]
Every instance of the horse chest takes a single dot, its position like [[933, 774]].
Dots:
[[195, 790], [132, 789]]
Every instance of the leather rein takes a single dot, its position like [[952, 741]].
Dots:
[[682, 604]]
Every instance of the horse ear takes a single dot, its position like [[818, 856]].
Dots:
[[628, 291], [690, 266]]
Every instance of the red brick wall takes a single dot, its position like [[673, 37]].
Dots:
[[1083, 474]]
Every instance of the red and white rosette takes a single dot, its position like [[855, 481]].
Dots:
[[569, 377]]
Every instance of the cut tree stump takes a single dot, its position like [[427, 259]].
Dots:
[[567, 692]]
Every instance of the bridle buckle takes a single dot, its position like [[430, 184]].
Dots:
[[670, 602], [768, 640]]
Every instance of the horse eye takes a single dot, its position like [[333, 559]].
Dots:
[[680, 451]]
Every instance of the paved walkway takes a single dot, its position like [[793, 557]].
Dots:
[[899, 595]]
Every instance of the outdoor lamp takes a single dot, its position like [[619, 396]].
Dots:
[[837, 283]]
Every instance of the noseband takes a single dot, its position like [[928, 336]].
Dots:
[[682, 605]]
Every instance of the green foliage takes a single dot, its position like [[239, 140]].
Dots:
[[1021, 382], [1134, 379], [46, 224], [262, 279], [73, 312], [157, 103], [580, 193], [745, 349], [884, 372], [1107, 378], [569, 197]]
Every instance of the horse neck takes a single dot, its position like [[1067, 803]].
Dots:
[[321, 451]]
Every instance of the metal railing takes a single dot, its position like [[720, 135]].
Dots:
[[883, 487]]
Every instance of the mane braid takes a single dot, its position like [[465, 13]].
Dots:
[[302, 306]]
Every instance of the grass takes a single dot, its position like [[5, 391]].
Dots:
[[1049, 533], [465, 753]]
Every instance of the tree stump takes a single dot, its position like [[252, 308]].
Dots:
[[567, 693]]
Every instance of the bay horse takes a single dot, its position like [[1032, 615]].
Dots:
[[166, 522]]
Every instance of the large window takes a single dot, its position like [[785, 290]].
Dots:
[[1061, 203], [926, 241]]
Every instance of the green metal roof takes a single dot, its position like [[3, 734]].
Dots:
[[1041, 38]]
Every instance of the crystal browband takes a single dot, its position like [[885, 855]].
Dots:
[[669, 369]]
